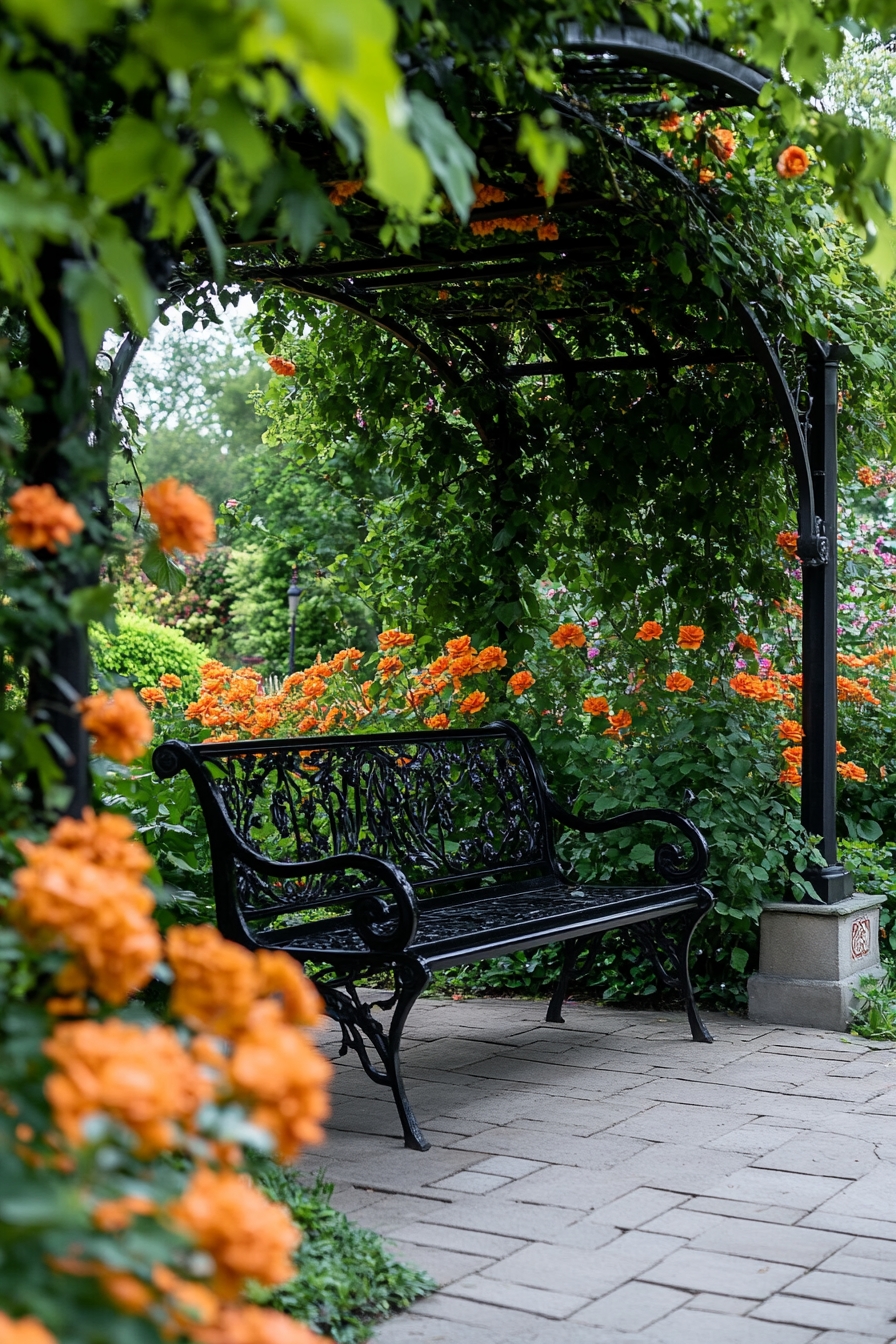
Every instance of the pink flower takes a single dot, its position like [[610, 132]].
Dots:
[[592, 653]]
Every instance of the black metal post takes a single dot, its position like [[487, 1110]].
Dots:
[[819, 792]]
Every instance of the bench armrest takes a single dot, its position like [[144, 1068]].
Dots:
[[381, 928], [669, 858]]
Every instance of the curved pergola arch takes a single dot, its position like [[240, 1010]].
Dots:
[[631, 65]]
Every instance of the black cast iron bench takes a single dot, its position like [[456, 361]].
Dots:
[[410, 852]]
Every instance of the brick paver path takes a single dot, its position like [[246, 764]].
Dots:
[[609, 1181]]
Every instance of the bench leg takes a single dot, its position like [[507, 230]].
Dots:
[[360, 1027], [571, 950], [699, 1029], [411, 980], [659, 946]]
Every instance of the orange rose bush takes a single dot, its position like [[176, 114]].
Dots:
[[127, 1136]]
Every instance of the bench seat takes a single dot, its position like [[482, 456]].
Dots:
[[493, 921], [404, 853]]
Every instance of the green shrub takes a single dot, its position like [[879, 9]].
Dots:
[[142, 652], [346, 1281]]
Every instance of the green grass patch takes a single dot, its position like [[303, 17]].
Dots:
[[346, 1281]]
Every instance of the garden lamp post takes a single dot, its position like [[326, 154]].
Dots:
[[293, 593]]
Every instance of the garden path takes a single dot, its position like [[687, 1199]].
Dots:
[[609, 1181]]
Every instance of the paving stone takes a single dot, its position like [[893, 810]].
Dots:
[[682, 1222], [822, 1155], [490, 1244], [872, 1196], [742, 1208], [849, 1288], [711, 1272], [599, 1153], [669, 1166], [793, 1310], [392, 1211], [573, 1187], [570, 1269], [442, 1265], [770, 1241], [635, 1208], [504, 1322], [471, 1182], [670, 1122], [848, 1337], [532, 1222], [632, 1307], [414, 1330], [756, 1139], [538, 1301], [859, 1227], [511, 1167], [687, 1326], [723, 1306], [586, 1235], [792, 1189], [866, 1257]]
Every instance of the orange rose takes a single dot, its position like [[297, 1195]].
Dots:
[[620, 720], [595, 704], [437, 721], [283, 1076], [394, 639], [490, 659], [153, 696], [473, 703], [677, 681], [650, 630], [568, 635], [787, 541], [247, 1235], [689, 636], [26, 1330], [456, 647], [282, 975], [746, 642], [216, 981], [184, 519], [104, 839], [790, 776], [120, 726], [344, 190], [746, 685], [388, 667], [722, 143], [791, 731], [548, 231], [142, 1078], [170, 681], [672, 122], [866, 476], [521, 681], [283, 367], [239, 1324], [849, 770], [793, 755], [40, 520], [463, 666], [89, 899], [792, 162], [114, 1215]]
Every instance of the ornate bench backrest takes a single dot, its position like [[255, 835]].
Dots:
[[445, 807]]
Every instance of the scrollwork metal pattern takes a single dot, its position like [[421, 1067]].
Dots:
[[439, 808]]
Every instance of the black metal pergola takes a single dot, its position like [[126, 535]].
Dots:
[[440, 306]]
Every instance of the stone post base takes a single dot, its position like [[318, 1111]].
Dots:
[[811, 957]]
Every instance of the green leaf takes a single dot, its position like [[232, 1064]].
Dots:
[[642, 854], [739, 958], [161, 570], [92, 604], [453, 162], [216, 252]]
